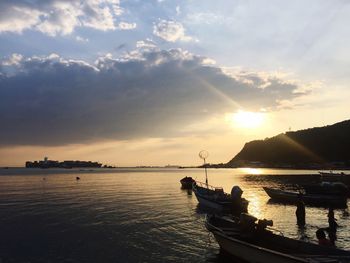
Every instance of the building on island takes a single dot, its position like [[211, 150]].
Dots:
[[46, 163]]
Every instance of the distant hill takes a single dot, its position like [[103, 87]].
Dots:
[[316, 147]]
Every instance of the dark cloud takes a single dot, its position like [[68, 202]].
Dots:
[[52, 101]]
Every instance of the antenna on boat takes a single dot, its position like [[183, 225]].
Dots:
[[203, 154]]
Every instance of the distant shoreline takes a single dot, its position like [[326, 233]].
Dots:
[[325, 168], [180, 167]]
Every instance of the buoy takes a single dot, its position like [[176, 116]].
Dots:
[[78, 178]]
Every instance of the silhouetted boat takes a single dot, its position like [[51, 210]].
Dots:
[[331, 176], [242, 238], [186, 182], [331, 173], [216, 198], [327, 188], [310, 199]]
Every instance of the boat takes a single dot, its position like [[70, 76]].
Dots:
[[186, 182], [331, 173], [215, 198], [331, 176], [309, 199], [244, 239], [328, 188]]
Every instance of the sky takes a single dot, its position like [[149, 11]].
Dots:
[[153, 82]]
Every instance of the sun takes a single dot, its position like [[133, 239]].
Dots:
[[248, 119]]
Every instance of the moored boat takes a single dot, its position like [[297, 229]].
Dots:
[[216, 198], [327, 188], [244, 239], [309, 199], [331, 173], [186, 182], [334, 176]]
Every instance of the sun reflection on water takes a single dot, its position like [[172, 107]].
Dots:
[[255, 204], [248, 170]]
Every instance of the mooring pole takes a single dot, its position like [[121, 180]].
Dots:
[[203, 155], [206, 174]]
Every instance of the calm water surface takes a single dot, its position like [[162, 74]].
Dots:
[[128, 215]]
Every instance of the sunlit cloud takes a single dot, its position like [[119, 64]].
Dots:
[[126, 26], [55, 17], [171, 31], [13, 60], [146, 44]]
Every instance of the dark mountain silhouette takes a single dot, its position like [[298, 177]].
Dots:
[[329, 145]]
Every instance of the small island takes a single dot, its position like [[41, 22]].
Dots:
[[46, 163]]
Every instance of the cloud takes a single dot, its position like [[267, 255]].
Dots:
[[178, 10], [208, 18], [146, 44], [154, 93], [171, 31], [126, 26], [81, 39], [14, 59], [54, 17]]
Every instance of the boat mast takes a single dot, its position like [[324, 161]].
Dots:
[[203, 155]]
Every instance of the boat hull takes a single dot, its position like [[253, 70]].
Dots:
[[251, 253], [264, 246], [327, 188], [219, 200], [330, 176], [333, 174], [211, 204], [309, 199]]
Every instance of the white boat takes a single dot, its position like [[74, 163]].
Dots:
[[251, 242], [215, 198]]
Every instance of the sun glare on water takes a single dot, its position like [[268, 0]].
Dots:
[[247, 119], [248, 170]]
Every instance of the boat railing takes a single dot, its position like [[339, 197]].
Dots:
[[205, 185]]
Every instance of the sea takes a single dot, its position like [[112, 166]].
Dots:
[[136, 215]]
